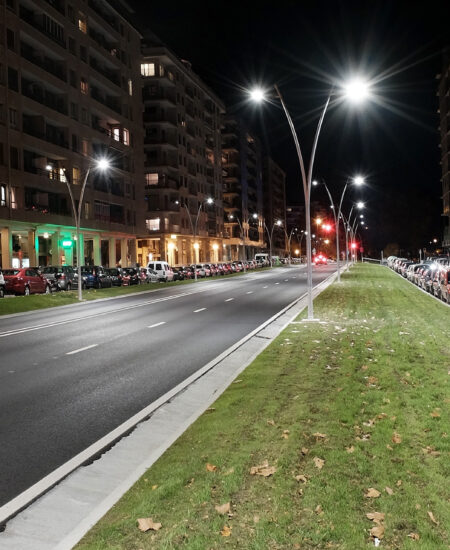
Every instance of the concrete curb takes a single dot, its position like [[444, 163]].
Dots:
[[64, 514]]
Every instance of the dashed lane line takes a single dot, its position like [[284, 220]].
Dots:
[[157, 324], [198, 310], [81, 349]]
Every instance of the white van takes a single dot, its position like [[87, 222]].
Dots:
[[163, 270], [262, 259]]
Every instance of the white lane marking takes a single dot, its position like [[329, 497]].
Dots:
[[265, 286], [249, 292], [81, 349], [286, 280], [277, 283], [157, 324], [229, 299], [76, 319], [293, 277], [198, 310]]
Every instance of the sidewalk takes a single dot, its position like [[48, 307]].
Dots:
[[334, 437]]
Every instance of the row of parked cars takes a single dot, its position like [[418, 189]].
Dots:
[[37, 280], [431, 275]]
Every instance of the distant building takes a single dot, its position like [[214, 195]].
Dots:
[[274, 183], [444, 126], [182, 143], [69, 93], [242, 190]]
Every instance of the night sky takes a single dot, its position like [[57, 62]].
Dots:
[[306, 47]]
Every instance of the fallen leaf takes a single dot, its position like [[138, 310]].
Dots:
[[414, 536], [211, 467], [154, 487], [389, 491], [318, 462], [223, 508], [271, 422], [433, 519], [210, 410], [318, 435], [263, 470], [350, 449], [319, 510], [372, 379], [190, 482], [399, 482], [418, 507], [431, 451], [255, 519], [372, 493], [305, 451], [147, 524], [376, 517], [381, 416], [364, 367], [285, 434], [389, 447], [435, 414], [396, 438], [377, 531], [226, 531], [301, 478]]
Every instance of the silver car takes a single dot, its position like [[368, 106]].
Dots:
[[62, 277]]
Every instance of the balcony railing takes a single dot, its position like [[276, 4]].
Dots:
[[50, 65], [109, 101], [49, 135], [99, 10], [159, 95], [110, 75], [38, 22], [98, 37], [44, 98]]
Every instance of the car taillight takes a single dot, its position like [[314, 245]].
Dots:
[[62, 276]]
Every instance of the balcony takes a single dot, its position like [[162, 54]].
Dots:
[[51, 134], [55, 33], [162, 118], [100, 40], [104, 71], [164, 182], [160, 160], [52, 66], [99, 10], [109, 101], [44, 97], [160, 95], [58, 5]]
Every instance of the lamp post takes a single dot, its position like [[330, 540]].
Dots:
[[357, 180], [348, 226], [101, 164], [241, 227], [278, 223], [194, 230], [355, 90], [289, 241]]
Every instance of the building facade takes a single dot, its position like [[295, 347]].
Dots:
[[69, 94], [183, 178], [274, 189], [242, 190], [444, 128]]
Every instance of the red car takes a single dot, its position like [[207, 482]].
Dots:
[[320, 259], [25, 281]]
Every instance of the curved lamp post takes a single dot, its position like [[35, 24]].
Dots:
[[356, 90], [194, 229], [278, 223], [232, 217], [102, 164]]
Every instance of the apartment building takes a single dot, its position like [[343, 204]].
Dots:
[[69, 94], [242, 190], [183, 177], [444, 129], [274, 189]]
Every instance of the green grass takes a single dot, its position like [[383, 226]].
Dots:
[[20, 304], [377, 366]]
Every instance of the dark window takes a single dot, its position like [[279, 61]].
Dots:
[[74, 143], [83, 53], [14, 157], [13, 79], [73, 78], [10, 39], [74, 111], [72, 45]]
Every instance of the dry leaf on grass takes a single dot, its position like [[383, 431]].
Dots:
[[318, 435], [255, 519], [154, 487], [318, 462], [226, 531], [399, 482], [433, 519], [350, 449], [377, 531], [211, 467], [301, 478], [229, 471], [389, 491], [263, 470], [271, 422], [372, 493], [223, 508], [431, 451], [376, 517], [285, 434], [414, 536], [435, 414], [396, 438], [147, 524], [305, 451]]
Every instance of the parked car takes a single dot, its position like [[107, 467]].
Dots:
[[25, 281], [95, 276], [148, 275], [62, 277], [201, 273], [444, 282], [115, 275], [163, 270], [2, 285], [178, 273], [130, 276]]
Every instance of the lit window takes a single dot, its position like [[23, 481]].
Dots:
[[84, 147], [62, 175], [84, 86], [82, 23], [147, 69], [170, 76], [153, 225], [116, 134], [76, 175], [130, 87], [2, 195], [13, 198], [126, 137], [151, 179]]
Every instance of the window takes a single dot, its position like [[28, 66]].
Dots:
[[75, 143], [87, 210], [126, 137], [10, 40], [73, 78], [83, 53], [14, 198], [116, 134], [52, 28], [130, 87], [76, 174], [84, 116], [153, 225], [13, 118], [72, 46], [14, 157], [151, 179], [71, 13], [147, 69], [84, 86], [2, 195], [84, 147], [13, 79], [74, 111], [82, 23]]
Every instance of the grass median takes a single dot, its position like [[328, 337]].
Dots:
[[335, 437]]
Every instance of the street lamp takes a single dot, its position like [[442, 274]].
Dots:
[[358, 181], [289, 241], [102, 164], [278, 223], [209, 200], [356, 91]]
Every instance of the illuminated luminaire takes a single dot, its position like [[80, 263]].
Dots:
[[196, 246], [360, 204], [209, 200], [215, 246], [103, 164], [356, 90], [257, 95]]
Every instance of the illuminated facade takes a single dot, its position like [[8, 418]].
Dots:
[[182, 146], [444, 114], [274, 184], [69, 93]]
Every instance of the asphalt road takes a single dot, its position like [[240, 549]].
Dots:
[[71, 375]]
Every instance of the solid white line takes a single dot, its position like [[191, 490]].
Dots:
[[229, 299], [265, 286], [201, 309], [81, 349], [157, 324]]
